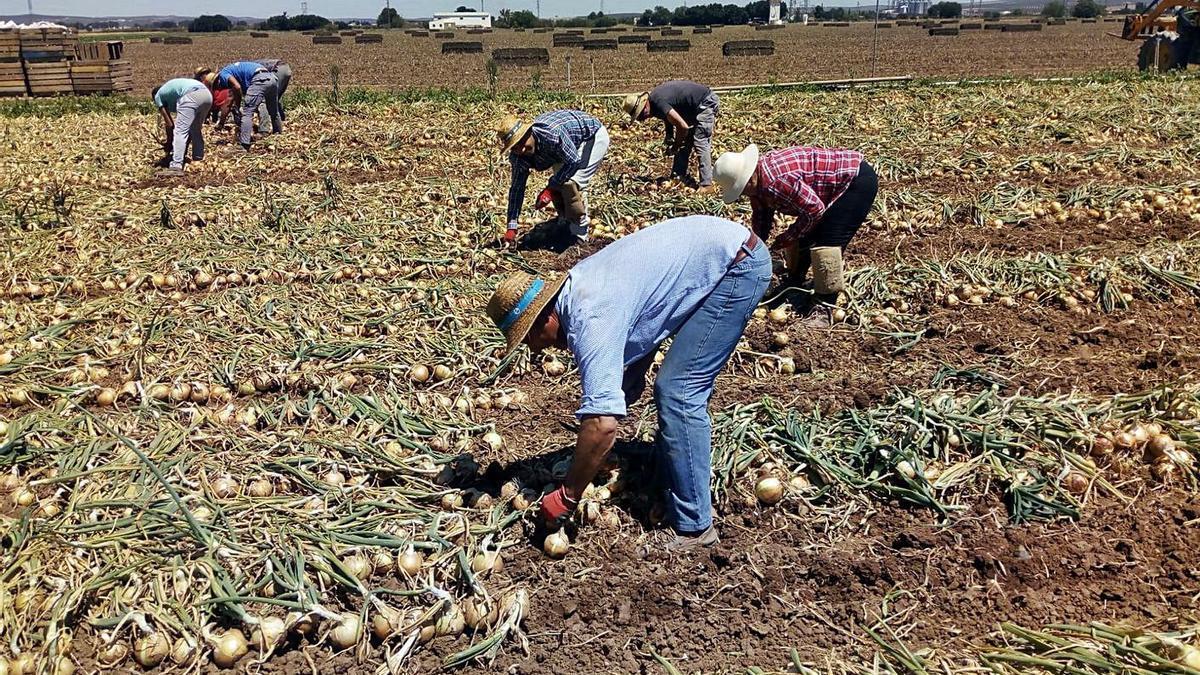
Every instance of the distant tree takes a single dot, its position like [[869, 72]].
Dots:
[[389, 18], [464, 8], [299, 22], [1055, 9], [1087, 9], [522, 18], [210, 23], [165, 25], [945, 10]]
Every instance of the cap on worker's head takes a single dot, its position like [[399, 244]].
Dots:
[[634, 104], [733, 170], [202, 71], [509, 131], [518, 301]]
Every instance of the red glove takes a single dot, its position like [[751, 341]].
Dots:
[[510, 235], [544, 197], [556, 506]]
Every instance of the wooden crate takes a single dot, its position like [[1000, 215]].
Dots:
[[49, 78], [47, 42], [12, 79], [101, 77], [100, 51], [10, 45]]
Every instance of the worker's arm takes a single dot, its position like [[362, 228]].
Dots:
[[597, 433], [516, 189], [224, 116], [235, 91], [168, 122], [676, 120], [803, 201], [762, 218]]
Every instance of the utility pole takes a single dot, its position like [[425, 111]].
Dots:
[[31, 8], [304, 8], [539, 8]]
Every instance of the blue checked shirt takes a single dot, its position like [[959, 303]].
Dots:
[[560, 134], [618, 304]]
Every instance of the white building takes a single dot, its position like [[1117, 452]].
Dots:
[[447, 20]]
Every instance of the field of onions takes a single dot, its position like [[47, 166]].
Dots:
[[256, 419]]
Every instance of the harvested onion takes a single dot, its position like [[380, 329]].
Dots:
[[347, 632], [769, 490], [229, 647], [269, 633], [486, 562], [151, 649], [409, 563], [556, 544]]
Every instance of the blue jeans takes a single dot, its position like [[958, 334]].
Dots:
[[684, 386]]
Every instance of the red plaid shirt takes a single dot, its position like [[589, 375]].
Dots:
[[801, 182]]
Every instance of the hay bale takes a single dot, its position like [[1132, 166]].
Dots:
[[908, 22], [462, 47], [617, 29], [573, 32], [349, 33], [943, 31], [418, 33], [671, 31], [598, 31], [1021, 27], [444, 35], [1087, 21], [701, 31], [600, 44], [542, 30], [521, 56], [644, 29], [836, 24], [668, 45], [748, 48], [633, 39], [156, 39], [368, 39], [1057, 22], [176, 40], [768, 26], [885, 24], [257, 34], [479, 31], [327, 39], [561, 40], [970, 26]]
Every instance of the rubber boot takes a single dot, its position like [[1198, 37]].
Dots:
[[575, 209], [828, 281], [798, 259]]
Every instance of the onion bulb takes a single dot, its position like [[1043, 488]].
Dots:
[[301, 624], [906, 469], [494, 441], [554, 367], [229, 647], [269, 633], [63, 665], [769, 490], [1153, 429], [522, 500], [23, 496], [383, 562], [25, 664], [334, 478], [225, 487], [451, 501], [1160, 446], [261, 487], [385, 622], [589, 512], [486, 562], [151, 649], [1139, 433], [106, 396], [778, 315], [358, 566], [442, 372], [1124, 440], [556, 545], [450, 622], [409, 563], [418, 373], [183, 651], [347, 632], [609, 519], [781, 339], [108, 656], [1102, 446], [515, 603], [1076, 483], [479, 612], [509, 490]]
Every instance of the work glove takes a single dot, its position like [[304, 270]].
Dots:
[[543, 199], [557, 507], [510, 234]]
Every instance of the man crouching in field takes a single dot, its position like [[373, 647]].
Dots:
[[696, 279]]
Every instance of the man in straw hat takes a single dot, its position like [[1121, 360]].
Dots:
[[689, 113], [828, 191], [570, 142], [696, 279]]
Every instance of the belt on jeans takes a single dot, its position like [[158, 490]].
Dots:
[[746, 248]]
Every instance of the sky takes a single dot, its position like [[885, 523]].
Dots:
[[329, 8]]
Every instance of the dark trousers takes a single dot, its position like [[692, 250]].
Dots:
[[840, 222]]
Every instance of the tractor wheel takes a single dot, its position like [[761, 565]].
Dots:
[[1157, 53]]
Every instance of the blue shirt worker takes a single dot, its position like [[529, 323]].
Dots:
[[251, 84], [184, 104], [570, 142], [696, 279]]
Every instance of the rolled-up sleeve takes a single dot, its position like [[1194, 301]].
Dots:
[[516, 191]]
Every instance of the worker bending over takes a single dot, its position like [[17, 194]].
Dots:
[[689, 113], [828, 191], [695, 279], [569, 142], [184, 104]]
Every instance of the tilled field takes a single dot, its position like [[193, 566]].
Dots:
[[801, 53], [245, 404]]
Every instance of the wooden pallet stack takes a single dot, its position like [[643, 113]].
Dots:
[[12, 73], [47, 54], [100, 69]]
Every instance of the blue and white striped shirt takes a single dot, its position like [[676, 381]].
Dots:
[[560, 134], [617, 305]]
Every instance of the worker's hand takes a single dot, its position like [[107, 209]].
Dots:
[[510, 234], [544, 198], [556, 507]]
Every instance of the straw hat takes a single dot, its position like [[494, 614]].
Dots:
[[733, 170], [634, 104], [517, 303], [202, 71], [509, 131]]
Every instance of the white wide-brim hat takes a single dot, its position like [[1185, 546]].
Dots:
[[733, 170]]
